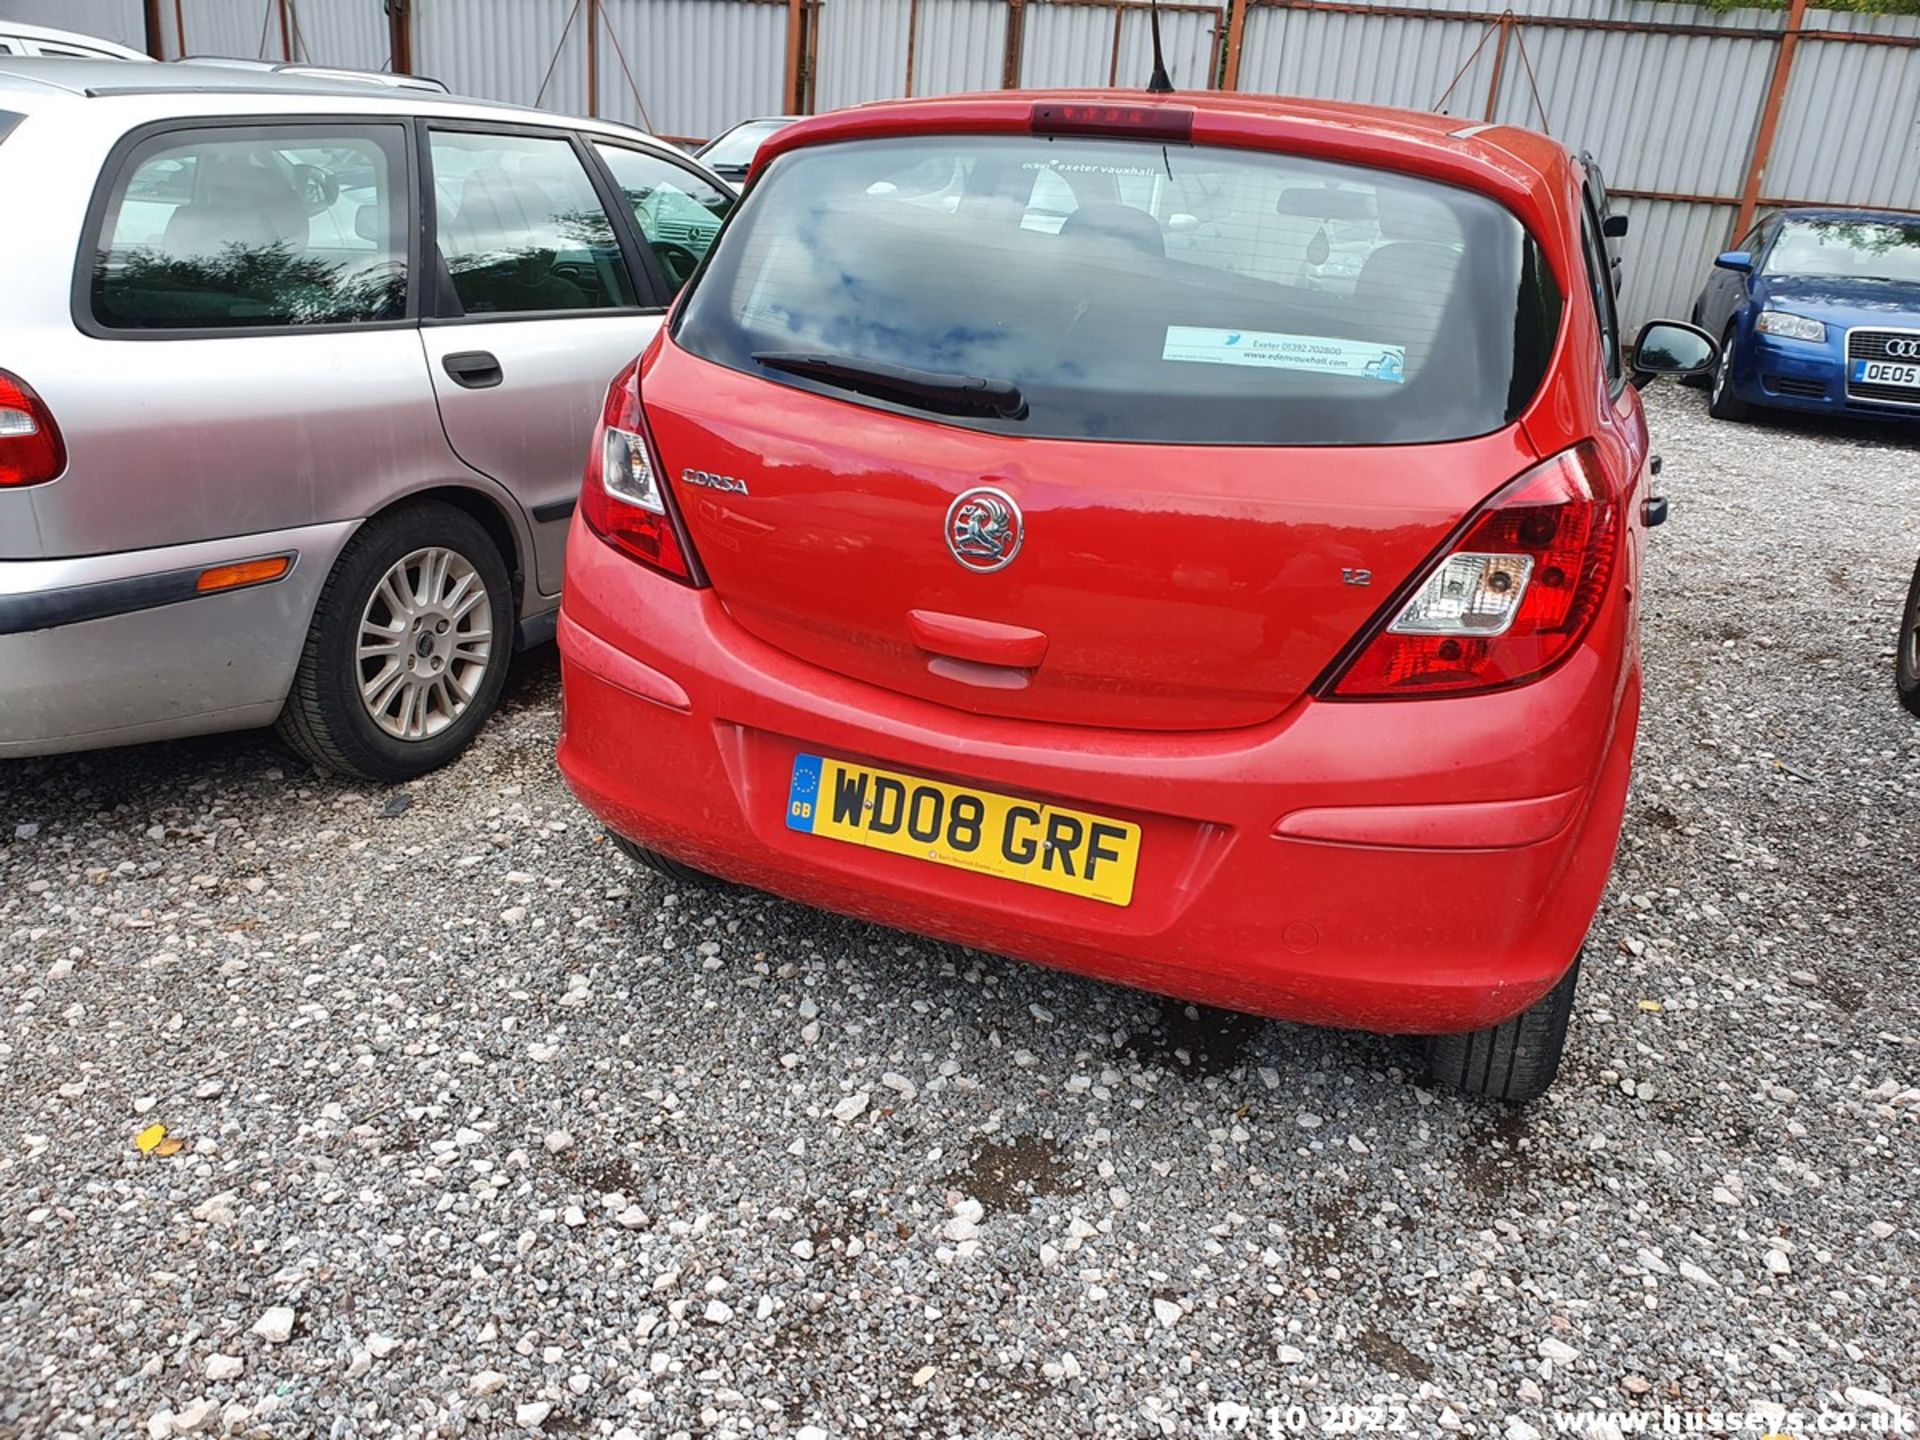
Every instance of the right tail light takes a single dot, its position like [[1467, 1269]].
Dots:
[[31, 450], [1511, 599]]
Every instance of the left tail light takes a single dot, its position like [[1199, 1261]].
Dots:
[[31, 450], [624, 497], [1509, 600]]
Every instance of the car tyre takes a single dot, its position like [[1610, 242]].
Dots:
[[664, 865], [1696, 382], [408, 649], [1722, 403], [1514, 1061], [1906, 668]]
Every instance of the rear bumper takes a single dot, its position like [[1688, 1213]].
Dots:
[[1415, 867], [115, 649]]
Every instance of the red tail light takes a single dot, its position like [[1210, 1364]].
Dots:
[[624, 497], [1512, 597], [31, 449]]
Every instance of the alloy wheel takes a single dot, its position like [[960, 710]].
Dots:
[[424, 645]]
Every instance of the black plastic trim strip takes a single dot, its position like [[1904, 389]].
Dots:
[[103, 599], [553, 510]]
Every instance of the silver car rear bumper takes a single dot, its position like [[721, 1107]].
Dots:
[[118, 649]]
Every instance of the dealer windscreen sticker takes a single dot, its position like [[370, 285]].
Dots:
[[1272, 350]]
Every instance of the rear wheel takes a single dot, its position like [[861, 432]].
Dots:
[[1906, 670], [408, 648], [1514, 1061], [1722, 403], [664, 865]]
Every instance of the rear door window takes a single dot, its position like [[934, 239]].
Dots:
[[677, 211], [239, 228], [1137, 291], [521, 228]]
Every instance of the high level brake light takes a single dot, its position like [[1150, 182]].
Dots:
[[1140, 122], [1512, 598], [624, 497], [31, 450]]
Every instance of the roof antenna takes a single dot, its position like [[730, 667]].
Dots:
[[1158, 83]]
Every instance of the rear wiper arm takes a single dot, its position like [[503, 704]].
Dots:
[[936, 390]]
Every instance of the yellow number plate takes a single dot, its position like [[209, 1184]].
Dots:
[[1065, 850]]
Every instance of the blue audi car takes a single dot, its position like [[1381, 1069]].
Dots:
[[1818, 310]]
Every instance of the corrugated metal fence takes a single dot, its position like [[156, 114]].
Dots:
[[1702, 119]]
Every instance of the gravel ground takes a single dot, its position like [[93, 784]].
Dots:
[[484, 1130]]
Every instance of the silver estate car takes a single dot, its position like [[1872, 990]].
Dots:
[[297, 377]]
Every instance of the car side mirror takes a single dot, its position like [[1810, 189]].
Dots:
[[1614, 227], [368, 224], [1672, 347], [1741, 260]]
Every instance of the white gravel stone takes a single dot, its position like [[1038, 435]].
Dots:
[[851, 1107], [487, 1382], [1166, 1312], [225, 1367], [532, 1414], [275, 1325]]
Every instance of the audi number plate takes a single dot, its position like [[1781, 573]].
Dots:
[[1886, 372]]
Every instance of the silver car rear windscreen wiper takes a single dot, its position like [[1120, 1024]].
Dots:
[[935, 390]]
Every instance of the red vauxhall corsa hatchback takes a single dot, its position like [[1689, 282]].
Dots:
[[1192, 541]]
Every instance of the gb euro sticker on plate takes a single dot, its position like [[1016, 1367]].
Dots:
[[1272, 350]]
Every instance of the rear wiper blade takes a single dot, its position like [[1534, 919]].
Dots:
[[936, 390]]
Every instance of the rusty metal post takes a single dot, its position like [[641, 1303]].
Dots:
[[1113, 69], [1016, 41], [913, 33], [155, 29], [399, 37], [813, 56], [1236, 36], [796, 39], [1769, 119], [1499, 63], [593, 57], [286, 33]]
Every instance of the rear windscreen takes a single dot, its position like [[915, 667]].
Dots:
[[1139, 291]]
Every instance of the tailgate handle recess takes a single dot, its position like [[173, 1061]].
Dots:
[[979, 642]]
